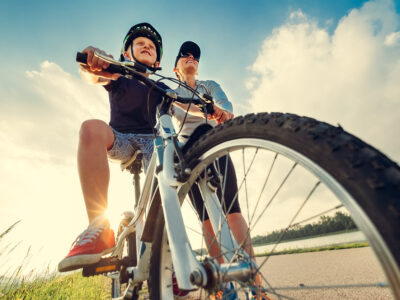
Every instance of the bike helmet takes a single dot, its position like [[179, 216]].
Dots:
[[144, 30]]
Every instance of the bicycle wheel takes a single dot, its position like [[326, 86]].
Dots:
[[296, 174]]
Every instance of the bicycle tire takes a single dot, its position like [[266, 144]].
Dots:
[[368, 177]]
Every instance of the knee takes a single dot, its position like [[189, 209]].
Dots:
[[93, 132]]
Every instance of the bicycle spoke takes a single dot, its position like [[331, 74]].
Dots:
[[263, 188], [292, 220], [247, 195], [224, 204], [273, 290], [243, 180], [274, 195], [194, 230], [237, 193], [318, 215]]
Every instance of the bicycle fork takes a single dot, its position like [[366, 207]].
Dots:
[[190, 273]]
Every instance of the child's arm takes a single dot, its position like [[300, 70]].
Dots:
[[94, 72]]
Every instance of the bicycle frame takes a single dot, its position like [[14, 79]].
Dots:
[[184, 260], [190, 273]]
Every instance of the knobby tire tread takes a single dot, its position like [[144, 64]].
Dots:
[[366, 173]]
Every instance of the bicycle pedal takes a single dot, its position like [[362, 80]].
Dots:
[[105, 265]]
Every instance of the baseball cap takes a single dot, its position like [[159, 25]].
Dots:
[[188, 47]]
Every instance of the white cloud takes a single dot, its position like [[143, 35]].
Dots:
[[43, 119], [39, 128], [297, 15], [349, 77], [393, 39]]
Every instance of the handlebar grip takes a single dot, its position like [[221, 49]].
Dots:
[[82, 58]]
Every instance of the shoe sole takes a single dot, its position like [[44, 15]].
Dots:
[[80, 261]]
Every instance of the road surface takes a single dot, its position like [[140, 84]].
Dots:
[[339, 274]]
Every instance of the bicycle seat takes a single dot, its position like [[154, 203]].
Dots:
[[134, 164]]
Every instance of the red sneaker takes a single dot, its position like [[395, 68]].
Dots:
[[88, 248]]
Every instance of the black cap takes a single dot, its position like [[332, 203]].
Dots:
[[189, 47]]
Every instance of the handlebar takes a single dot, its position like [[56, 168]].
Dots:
[[112, 68], [134, 69]]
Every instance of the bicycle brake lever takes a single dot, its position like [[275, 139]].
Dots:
[[137, 66], [106, 58], [209, 104]]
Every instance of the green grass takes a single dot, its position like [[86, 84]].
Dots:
[[315, 249], [307, 237], [19, 284], [72, 286]]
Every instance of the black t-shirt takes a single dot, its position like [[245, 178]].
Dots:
[[130, 110]]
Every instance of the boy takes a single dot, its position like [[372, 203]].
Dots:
[[131, 128]]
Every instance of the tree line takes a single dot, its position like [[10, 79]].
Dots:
[[326, 224]]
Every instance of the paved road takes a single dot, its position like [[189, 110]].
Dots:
[[343, 270], [338, 274]]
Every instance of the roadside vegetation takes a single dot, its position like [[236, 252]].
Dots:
[[18, 284], [326, 225], [315, 249], [340, 222], [52, 286]]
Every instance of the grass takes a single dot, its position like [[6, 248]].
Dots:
[[308, 237], [315, 249], [18, 284], [72, 286]]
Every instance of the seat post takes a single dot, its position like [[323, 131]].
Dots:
[[134, 166], [136, 183]]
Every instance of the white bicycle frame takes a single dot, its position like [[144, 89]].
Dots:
[[184, 259]]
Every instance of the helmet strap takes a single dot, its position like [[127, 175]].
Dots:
[[138, 62]]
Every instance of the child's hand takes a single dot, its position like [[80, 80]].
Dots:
[[96, 65]]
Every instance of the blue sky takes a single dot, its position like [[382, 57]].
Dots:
[[229, 32], [338, 61]]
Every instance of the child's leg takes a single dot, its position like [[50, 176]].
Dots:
[[96, 137]]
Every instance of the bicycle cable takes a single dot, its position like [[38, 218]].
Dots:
[[180, 83]]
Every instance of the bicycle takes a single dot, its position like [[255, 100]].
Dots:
[[336, 170]]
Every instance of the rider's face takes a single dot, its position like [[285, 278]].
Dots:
[[144, 50], [187, 64]]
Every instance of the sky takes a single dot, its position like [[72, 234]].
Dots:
[[336, 61]]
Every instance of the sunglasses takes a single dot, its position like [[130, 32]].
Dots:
[[188, 55]]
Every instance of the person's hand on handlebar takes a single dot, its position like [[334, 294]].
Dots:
[[220, 115], [96, 65]]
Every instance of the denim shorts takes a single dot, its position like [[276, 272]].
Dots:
[[126, 144]]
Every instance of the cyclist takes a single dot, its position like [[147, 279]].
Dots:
[[186, 67], [130, 128], [191, 127]]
